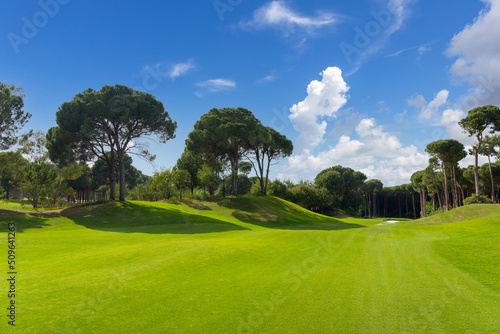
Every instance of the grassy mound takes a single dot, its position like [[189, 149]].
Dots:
[[475, 212]]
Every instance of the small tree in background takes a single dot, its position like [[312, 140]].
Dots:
[[38, 176]]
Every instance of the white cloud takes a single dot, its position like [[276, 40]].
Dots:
[[477, 49], [417, 102], [439, 100], [217, 85], [423, 49], [427, 110], [324, 99], [181, 69], [376, 153], [276, 14]]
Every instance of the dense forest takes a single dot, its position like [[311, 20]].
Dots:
[[88, 157]]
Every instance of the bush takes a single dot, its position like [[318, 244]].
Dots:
[[473, 200], [255, 190], [279, 189]]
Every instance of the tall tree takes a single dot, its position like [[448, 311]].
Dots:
[[418, 182], [343, 184], [224, 134], [372, 188], [12, 165], [448, 151], [476, 123], [190, 162], [115, 119], [12, 115], [491, 147], [267, 147]]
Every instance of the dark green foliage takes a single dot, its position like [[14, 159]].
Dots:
[[244, 184], [279, 189], [450, 152], [343, 183], [192, 163], [476, 123], [245, 167], [224, 134], [107, 123], [12, 116], [38, 176], [266, 148], [11, 171]]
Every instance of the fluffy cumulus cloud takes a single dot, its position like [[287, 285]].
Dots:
[[477, 52], [324, 99], [376, 153], [373, 151]]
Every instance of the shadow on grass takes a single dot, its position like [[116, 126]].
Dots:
[[193, 204], [23, 220], [271, 212], [133, 218]]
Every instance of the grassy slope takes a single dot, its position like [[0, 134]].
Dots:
[[252, 264]]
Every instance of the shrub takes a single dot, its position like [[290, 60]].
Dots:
[[473, 200]]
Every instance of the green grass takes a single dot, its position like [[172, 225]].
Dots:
[[259, 265]]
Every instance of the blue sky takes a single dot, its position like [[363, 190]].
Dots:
[[364, 84]]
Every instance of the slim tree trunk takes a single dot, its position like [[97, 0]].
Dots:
[[492, 181], [121, 162], [476, 168], [374, 206], [446, 193], [234, 168], [414, 209], [112, 175], [399, 205]]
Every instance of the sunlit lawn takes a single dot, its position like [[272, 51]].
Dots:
[[257, 265]]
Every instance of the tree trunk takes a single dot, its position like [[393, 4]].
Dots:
[[446, 193], [433, 201], [121, 162], [374, 205], [112, 175], [234, 171], [368, 204], [492, 181], [399, 205], [454, 187], [476, 169], [414, 209]]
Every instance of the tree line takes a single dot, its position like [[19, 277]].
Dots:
[[87, 156]]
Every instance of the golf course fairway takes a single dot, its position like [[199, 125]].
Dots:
[[250, 265]]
